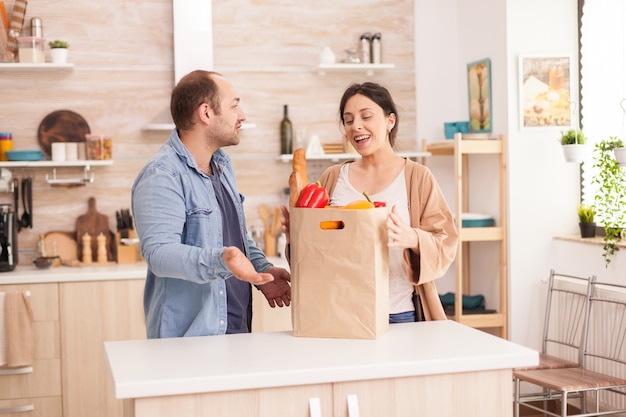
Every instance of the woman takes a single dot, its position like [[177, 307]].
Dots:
[[422, 235]]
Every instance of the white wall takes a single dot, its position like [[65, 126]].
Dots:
[[543, 188]]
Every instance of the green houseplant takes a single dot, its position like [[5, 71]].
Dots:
[[586, 216], [610, 198], [573, 143], [58, 44], [58, 51]]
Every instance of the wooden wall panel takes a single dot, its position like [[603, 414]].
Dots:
[[123, 76]]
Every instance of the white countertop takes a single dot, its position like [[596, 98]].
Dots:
[[28, 274], [158, 367]]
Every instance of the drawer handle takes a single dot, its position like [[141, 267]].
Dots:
[[19, 409], [353, 406], [315, 409], [17, 371]]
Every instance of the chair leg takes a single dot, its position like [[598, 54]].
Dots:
[[564, 404]]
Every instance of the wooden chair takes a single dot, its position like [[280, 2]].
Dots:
[[600, 376]]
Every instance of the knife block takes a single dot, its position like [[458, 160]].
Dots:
[[126, 254]]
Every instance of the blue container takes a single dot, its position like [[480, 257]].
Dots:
[[450, 128]]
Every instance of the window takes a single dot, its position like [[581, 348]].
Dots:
[[602, 78]]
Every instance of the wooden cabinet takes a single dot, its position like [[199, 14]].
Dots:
[[36, 389], [473, 239], [91, 313], [392, 397]]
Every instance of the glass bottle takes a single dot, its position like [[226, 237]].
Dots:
[[286, 133]]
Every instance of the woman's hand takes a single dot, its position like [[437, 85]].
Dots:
[[400, 234], [285, 222]]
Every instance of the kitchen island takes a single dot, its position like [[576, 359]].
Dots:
[[438, 369]]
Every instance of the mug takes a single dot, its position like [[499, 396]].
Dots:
[[58, 151]]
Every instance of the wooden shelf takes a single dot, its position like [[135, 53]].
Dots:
[[54, 164], [461, 149], [37, 67]]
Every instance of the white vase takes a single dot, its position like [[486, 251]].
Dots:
[[58, 55], [620, 156], [574, 153]]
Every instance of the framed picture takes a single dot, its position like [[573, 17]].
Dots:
[[479, 93], [545, 92]]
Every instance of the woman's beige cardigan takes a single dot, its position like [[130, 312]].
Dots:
[[432, 220]]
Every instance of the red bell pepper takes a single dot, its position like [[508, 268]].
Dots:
[[313, 196], [375, 203]]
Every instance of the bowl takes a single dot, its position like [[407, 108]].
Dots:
[[28, 155], [44, 262]]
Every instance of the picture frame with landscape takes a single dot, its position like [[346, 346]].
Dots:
[[545, 92], [479, 94]]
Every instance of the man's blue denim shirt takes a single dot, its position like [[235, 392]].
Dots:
[[179, 225]]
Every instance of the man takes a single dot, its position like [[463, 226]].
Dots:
[[190, 221]]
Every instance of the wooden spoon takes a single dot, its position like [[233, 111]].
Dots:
[[270, 241]]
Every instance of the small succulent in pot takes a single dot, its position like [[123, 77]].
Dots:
[[573, 137], [58, 44], [586, 214]]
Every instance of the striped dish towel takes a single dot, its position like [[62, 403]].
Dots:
[[17, 22]]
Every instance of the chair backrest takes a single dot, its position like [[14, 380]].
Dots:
[[565, 316], [604, 344]]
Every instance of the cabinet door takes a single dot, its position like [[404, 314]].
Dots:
[[91, 313], [470, 394], [268, 402], [44, 377]]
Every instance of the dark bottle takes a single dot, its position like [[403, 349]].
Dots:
[[286, 134]]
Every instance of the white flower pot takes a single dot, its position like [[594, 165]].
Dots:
[[574, 153], [58, 55], [620, 156]]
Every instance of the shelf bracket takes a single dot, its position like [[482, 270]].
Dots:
[[88, 177]]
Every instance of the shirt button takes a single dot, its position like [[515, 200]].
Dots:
[[221, 321], [221, 292]]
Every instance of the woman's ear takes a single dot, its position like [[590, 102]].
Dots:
[[391, 121]]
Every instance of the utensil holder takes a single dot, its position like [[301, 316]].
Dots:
[[126, 254]]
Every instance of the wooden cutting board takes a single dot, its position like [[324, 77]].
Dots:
[[94, 223], [63, 243]]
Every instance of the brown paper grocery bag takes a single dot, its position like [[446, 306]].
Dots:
[[339, 277]]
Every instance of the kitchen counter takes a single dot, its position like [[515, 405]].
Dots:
[[28, 274], [185, 366]]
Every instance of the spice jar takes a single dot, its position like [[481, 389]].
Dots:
[[6, 144], [98, 146], [377, 48]]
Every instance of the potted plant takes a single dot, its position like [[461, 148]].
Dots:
[[620, 155], [586, 215], [58, 51], [610, 198], [573, 144]]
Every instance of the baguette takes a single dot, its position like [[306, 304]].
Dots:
[[295, 187], [298, 178]]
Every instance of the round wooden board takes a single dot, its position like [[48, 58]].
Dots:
[[61, 126], [66, 246]]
